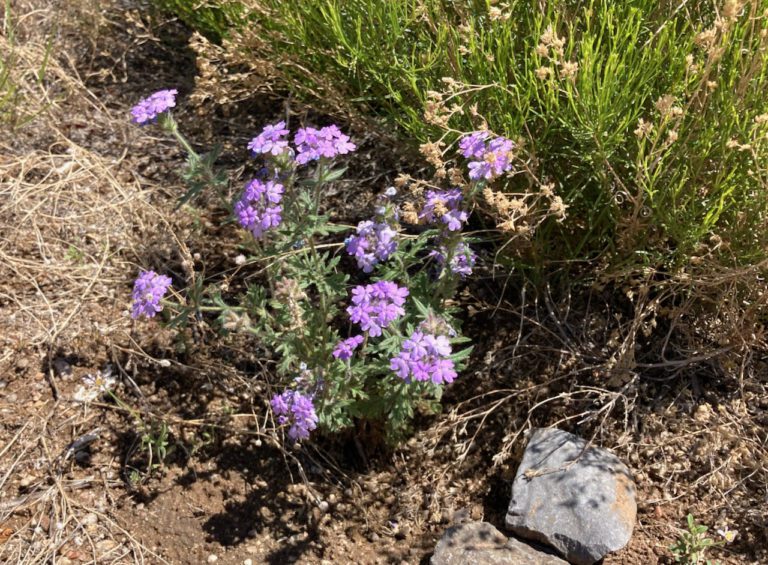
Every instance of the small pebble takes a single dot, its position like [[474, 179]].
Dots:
[[90, 519], [212, 558], [248, 561]]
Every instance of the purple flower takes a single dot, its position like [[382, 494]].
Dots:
[[271, 217], [148, 109], [462, 260], [148, 291], [374, 243], [274, 192], [424, 357], [488, 159], [445, 207], [375, 306], [345, 348], [297, 409], [271, 141], [472, 146], [259, 207], [328, 142]]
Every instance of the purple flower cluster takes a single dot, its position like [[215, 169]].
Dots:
[[472, 146], [424, 357], [346, 348], [297, 409], [374, 243], [461, 262], [148, 291], [273, 140], [488, 159], [375, 306], [328, 142], [445, 207], [259, 208], [148, 109]]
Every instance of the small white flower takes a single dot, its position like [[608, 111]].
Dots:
[[728, 535], [94, 386]]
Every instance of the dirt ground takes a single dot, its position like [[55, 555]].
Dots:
[[86, 199]]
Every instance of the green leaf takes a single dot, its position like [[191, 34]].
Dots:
[[333, 175]]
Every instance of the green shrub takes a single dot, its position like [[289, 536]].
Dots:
[[212, 18], [648, 117]]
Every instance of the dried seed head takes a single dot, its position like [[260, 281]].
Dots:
[[706, 38], [409, 214], [732, 9], [496, 14], [644, 128], [664, 104], [507, 226], [402, 180], [440, 208], [550, 38], [433, 154], [569, 70], [558, 207], [690, 65], [451, 83], [456, 177]]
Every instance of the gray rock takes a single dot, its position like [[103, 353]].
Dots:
[[479, 543], [579, 500]]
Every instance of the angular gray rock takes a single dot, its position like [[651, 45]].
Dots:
[[579, 500], [479, 543]]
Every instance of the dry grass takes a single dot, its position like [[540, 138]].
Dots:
[[59, 518], [72, 214]]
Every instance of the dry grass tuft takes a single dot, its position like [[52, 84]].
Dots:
[[73, 215]]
